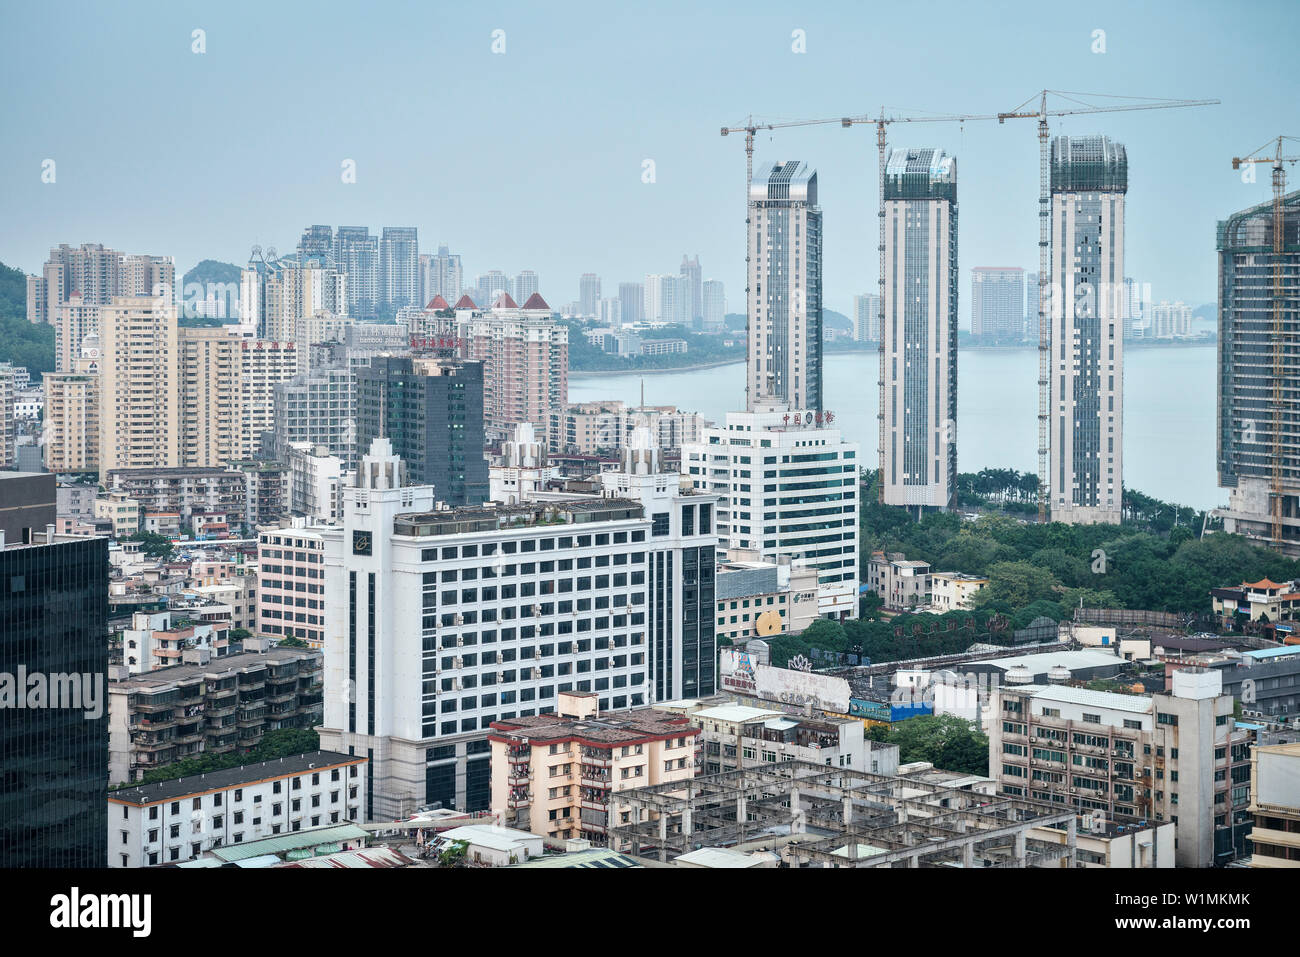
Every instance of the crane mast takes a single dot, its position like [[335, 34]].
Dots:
[[1041, 114], [1278, 333]]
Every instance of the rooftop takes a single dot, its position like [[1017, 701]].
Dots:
[[594, 857], [1136, 703], [737, 713], [1041, 664], [216, 668], [162, 791], [491, 835], [622, 727], [471, 519]]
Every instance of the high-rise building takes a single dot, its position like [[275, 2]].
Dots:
[[316, 242], [72, 420], [714, 305], [866, 318], [693, 300], [1137, 303], [54, 758], [1169, 320], [140, 389], [263, 365], [1089, 177], [1255, 449], [525, 285], [75, 319], [316, 408], [491, 285], [8, 420], [1031, 307], [97, 274], [785, 288], [660, 299], [589, 295], [997, 302], [209, 377], [356, 255], [631, 298], [525, 356], [399, 267], [440, 275], [682, 558], [418, 668], [303, 301], [787, 487], [918, 389], [431, 410]]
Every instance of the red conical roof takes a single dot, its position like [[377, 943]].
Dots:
[[437, 302], [505, 302], [465, 302], [535, 301]]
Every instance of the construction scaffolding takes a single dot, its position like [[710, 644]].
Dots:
[[819, 816]]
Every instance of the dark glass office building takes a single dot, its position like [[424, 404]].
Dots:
[[54, 749], [432, 411]]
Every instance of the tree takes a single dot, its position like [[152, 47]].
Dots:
[[1017, 584], [824, 633], [454, 855], [291, 643], [948, 742], [155, 545]]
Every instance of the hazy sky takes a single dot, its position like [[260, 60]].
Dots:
[[533, 159]]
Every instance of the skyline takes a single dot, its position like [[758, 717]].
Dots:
[[409, 137]]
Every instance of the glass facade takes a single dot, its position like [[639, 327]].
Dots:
[[54, 758]]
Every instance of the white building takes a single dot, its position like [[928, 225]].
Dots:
[[918, 384], [788, 486], [785, 288], [449, 620], [179, 820], [866, 318], [494, 846], [158, 639], [1086, 374], [291, 582], [523, 471], [316, 482]]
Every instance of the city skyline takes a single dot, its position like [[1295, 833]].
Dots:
[[238, 200]]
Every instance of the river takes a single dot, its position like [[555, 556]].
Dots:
[[1169, 410]]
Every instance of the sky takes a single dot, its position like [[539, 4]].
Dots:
[[535, 157]]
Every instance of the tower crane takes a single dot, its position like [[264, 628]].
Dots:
[[1279, 249], [881, 121], [1044, 227]]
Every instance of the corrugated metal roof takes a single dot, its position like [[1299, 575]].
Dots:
[[282, 843]]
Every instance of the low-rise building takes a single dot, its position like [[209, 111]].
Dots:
[[215, 706], [202, 496], [736, 736], [901, 584], [160, 639], [1166, 757], [761, 598], [171, 821], [952, 591], [489, 845], [122, 511], [1264, 600], [1101, 843], [560, 774]]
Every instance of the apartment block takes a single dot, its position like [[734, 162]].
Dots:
[[758, 598], [560, 774], [140, 385], [217, 707], [736, 736], [900, 583], [291, 582], [169, 822], [1166, 757], [953, 591], [217, 495]]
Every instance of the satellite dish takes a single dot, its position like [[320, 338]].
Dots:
[[769, 623]]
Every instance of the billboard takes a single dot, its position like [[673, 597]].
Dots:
[[740, 672]]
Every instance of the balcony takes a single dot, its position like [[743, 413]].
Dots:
[[518, 777], [601, 781]]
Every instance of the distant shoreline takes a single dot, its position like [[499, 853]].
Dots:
[[593, 373]]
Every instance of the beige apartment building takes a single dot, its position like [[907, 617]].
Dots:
[[71, 421], [1275, 802], [291, 582], [951, 591], [263, 363], [139, 423], [559, 774], [210, 368], [120, 509]]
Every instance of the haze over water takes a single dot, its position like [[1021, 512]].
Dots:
[[1169, 396]]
